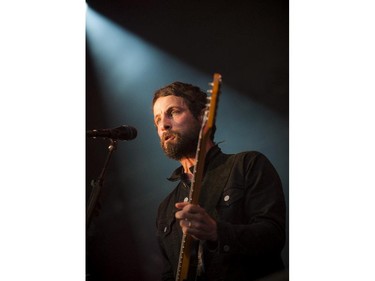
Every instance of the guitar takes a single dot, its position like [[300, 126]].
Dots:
[[200, 157]]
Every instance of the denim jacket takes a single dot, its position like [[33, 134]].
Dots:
[[243, 193]]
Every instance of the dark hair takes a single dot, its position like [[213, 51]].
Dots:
[[194, 97]]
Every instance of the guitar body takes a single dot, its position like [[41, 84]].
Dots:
[[188, 258]]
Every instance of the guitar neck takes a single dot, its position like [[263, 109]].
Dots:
[[198, 172], [200, 158]]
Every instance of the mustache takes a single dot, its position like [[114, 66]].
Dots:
[[168, 135]]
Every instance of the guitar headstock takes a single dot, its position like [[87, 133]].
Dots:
[[213, 100]]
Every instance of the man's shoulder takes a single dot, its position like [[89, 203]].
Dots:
[[221, 159], [249, 155]]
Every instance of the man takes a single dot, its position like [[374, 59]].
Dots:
[[240, 218]]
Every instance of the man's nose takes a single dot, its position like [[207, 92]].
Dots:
[[165, 123]]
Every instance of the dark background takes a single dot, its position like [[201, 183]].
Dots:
[[248, 43]]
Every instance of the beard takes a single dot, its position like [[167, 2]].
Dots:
[[183, 145]]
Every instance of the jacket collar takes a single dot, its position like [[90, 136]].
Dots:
[[179, 174]]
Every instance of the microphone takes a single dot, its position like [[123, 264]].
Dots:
[[123, 132]]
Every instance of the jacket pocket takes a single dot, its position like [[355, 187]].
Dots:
[[230, 207], [231, 197]]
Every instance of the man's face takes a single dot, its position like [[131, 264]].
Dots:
[[177, 128]]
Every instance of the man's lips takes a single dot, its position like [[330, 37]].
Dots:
[[168, 137]]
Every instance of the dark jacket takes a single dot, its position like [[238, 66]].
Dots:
[[243, 193]]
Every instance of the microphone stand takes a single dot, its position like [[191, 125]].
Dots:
[[98, 184]]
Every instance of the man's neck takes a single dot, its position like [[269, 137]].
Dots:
[[188, 162]]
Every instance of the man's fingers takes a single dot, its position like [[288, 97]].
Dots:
[[188, 211], [195, 221], [181, 205]]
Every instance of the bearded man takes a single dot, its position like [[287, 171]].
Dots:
[[239, 222]]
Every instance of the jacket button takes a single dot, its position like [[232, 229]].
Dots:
[[165, 229], [226, 248], [226, 198]]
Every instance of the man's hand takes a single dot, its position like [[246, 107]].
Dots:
[[195, 221]]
